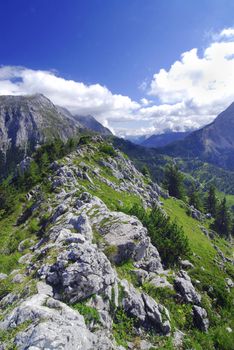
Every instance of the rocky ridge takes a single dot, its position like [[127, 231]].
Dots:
[[75, 261]]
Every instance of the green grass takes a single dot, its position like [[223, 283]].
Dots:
[[124, 271], [90, 313], [215, 297], [8, 336], [229, 198]]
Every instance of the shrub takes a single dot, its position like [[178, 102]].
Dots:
[[167, 236], [107, 149]]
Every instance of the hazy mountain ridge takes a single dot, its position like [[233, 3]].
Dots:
[[164, 139], [213, 143]]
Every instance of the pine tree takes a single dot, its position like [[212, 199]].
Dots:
[[195, 198], [145, 170], [211, 201], [222, 223], [174, 181], [232, 231]]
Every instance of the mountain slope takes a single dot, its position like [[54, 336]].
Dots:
[[89, 273], [164, 139], [28, 121], [214, 143], [91, 123], [25, 122]]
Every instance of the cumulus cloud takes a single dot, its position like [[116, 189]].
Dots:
[[197, 87], [77, 97], [190, 94], [227, 33]]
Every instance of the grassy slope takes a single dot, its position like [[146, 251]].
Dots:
[[210, 275]]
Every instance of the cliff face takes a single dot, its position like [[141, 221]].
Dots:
[[31, 119], [86, 271], [28, 121]]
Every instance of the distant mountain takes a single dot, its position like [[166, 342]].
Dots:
[[138, 140], [25, 122], [28, 121], [162, 140], [213, 143], [91, 123]]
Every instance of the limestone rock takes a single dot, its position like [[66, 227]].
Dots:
[[63, 327], [80, 272], [185, 264], [3, 276], [185, 287], [200, 318]]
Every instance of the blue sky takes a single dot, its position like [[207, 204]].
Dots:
[[118, 46]]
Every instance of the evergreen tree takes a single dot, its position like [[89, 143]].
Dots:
[[174, 181], [195, 200], [145, 170], [7, 198], [211, 201], [222, 223], [232, 231]]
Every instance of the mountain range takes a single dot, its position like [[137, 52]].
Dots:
[[28, 121], [164, 139], [213, 143]]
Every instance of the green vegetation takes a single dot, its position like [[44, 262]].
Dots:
[[166, 235], [174, 181], [90, 313], [211, 201], [222, 223], [123, 327], [107, 149], [8, 336], [195, 198], [216, 299], [125, 272], [111, 252]]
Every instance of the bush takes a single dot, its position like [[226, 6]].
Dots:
[[107, 149], [167, 236]]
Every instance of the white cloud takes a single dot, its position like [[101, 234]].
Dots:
[[190, 94], [77, 97], [195, 88], [227, 32]]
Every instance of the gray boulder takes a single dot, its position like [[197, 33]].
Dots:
[[185, 264], [186, 289], [52, 325], [200, 318], [80, 272], [145, 309]]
